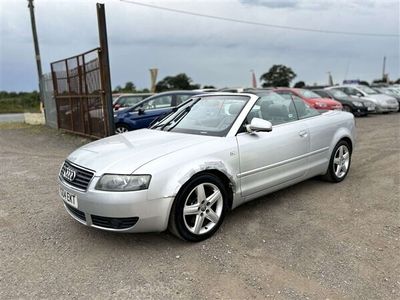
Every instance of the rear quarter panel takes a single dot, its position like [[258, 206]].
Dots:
[[325, 132]]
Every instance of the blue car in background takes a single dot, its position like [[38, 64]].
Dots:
[[145, 112]]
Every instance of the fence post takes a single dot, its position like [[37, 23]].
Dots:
[[105, 67]]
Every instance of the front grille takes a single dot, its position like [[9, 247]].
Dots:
[[75, 175], [76, 212], [114, 223], [391, 101]]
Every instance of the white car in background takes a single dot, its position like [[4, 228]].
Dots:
[[383, 103]]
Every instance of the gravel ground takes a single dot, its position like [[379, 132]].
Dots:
[[315, 240]]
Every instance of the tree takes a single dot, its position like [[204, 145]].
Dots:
[[278, 75], [129, 87], [178, 82], [208, 87], [363, 82], [299, 84], [378, 81], [117, 89], [397, 81]]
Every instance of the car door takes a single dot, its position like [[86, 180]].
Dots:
[[320, 131], [269, 159], [152, 109]]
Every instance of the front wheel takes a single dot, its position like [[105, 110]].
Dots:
[[347, 108], [199, 208], [339, 163], [121, 129]]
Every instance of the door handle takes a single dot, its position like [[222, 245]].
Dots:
[[303, 133]]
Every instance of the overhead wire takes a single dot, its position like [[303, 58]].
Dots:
[[275, 26]]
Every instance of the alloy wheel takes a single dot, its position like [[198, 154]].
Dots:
[[121, 129], [341, 161], [203, 208]]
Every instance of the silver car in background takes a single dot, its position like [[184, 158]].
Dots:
[[212, 154], [383, 103]]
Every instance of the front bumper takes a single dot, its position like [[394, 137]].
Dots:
[[387, 108], [105, 210]]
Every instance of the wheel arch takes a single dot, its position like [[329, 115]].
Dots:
[[222, 176], [348, 141]]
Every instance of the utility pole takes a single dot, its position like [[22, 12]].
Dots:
[[383, 69], [36, 44]]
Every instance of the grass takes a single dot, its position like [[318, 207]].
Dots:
[[19, 105]]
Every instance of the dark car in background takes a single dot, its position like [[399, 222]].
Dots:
[[145, 112], [383, 103], [129, 100], [311, 98], [356, 107]]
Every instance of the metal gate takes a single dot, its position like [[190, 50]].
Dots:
[[79, 95]]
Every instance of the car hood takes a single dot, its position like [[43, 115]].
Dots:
[[125, 153], [345, 98]]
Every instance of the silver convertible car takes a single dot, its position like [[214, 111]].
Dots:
[[210, 155]]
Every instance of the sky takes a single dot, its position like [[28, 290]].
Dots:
[[210, 51]]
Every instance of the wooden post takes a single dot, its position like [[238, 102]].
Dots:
[[105, 70]]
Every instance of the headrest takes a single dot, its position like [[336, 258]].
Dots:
[[264, 106], [235, 108], [278, 110]]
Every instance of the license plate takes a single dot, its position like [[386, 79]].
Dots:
[[71, 199]]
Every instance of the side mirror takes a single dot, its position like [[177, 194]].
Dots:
[[117, 106], [359, 94], [140, 111], [259, 125]]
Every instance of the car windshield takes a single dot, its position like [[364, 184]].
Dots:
[[209, 115], [367, 90], [338, 94], [308, 94]]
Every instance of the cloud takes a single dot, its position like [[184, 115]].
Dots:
[[209, 51], [271, 3]]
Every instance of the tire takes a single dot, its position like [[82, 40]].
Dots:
[[199, 208], [339, 164], [119, 129], [347, 108]]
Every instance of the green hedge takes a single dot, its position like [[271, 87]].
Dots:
[[11, 102]]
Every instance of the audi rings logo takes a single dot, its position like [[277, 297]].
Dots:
[[69, 174]]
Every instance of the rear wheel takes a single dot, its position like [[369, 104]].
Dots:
[[339, 163], [199, 208], [121, 129]]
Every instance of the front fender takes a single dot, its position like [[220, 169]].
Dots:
[[169, 185]]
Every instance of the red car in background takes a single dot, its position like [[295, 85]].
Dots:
[[312, 99]]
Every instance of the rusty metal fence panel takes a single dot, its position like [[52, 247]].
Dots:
[[50, 109], [79, 95]]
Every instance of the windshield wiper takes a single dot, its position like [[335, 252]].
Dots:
[[174, 110], [178, 117]]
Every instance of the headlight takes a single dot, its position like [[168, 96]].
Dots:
[[356, 103], [121, 183], [320, 104]]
